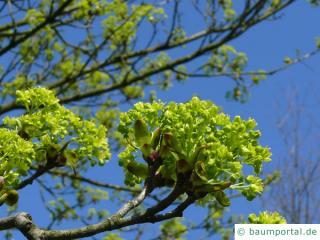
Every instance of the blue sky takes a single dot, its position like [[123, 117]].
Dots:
[[266, 45]]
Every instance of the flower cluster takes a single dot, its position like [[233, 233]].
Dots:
[[194, 140]]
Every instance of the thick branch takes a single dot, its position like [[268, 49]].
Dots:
[[177, 212], [134, 202], [23, 222]]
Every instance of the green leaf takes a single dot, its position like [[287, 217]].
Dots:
[[141, 132], [267, 218], [222, 198]]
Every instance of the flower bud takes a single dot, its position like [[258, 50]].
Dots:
[[222, 198], [200, 170], [156, 136], [12, 197], [146, 150], [138, 169], [196, 153], [172, 142], [154, 155], [164, 151], [141, 133], [183, 166]]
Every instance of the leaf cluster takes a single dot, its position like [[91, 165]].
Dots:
[[195, 141], [49, 135]]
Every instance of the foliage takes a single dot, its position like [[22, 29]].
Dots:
[[70, 67], [195, 140], [49, 135], [172, 229], [16, 156], [266, 218]]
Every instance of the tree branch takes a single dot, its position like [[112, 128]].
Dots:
[[94, 182], [47, 21], [23, 222]]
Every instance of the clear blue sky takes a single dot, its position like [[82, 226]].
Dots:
[[266, 45]]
